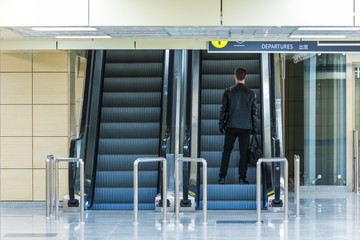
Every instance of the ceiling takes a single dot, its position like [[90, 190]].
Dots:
[[183, 32]]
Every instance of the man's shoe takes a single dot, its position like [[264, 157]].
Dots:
[[243, 181], [221, 180]]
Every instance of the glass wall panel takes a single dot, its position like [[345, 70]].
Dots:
[[357, 103], [325, 120]]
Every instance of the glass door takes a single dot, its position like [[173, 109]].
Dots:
[[325, 120], [356, 72]]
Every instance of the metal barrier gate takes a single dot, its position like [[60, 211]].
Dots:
[[136, 185], [177, 202], [50, 188], [81, 162]]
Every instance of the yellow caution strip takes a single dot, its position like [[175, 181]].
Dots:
[[270, 193]]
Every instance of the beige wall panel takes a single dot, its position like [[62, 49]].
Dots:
[[15, 62], [39, 187], [51, 120], [15, 88], [288, 13], [16, 120], [16, 184], [51, 88], [154, 13], [16, 152], [43, 13], [43, 146], [56, 61]]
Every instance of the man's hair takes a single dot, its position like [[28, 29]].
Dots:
[[240, 73]]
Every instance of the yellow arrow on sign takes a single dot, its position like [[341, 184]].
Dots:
[[219, 44]]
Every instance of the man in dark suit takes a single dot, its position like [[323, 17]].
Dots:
[[238, 119]]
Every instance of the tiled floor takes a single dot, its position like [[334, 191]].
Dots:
[[323, 216]]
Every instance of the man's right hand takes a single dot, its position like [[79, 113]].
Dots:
[[222, 128]]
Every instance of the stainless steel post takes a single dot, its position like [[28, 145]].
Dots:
[[258, 185], [82, 183], [297, 184], [204, 191], [164, 189], [177, 202], [136, 164], [356, 161], [48, 187], [286, 193], [136, 185], [52, 183], [258, 191], [56, 190]]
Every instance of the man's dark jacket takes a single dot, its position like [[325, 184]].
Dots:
[[239, 108]]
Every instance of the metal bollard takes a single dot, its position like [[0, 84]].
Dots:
[[81, 162], [136, 185], [52, 184], [258, 185], [49, 187], [297, 184], [177, 202]]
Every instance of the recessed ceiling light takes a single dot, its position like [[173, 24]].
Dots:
[[75, 37], [63, 29], [318, 36], [328, 29]]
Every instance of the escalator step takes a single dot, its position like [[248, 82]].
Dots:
[[124, 179], [129, 146], [229, 205], [214, 143], [128, 56], [135, 99], [232, 176], [222, 81], [124, 163], [132, 84], [213, 158], [230, 192], [130, 114], [122, 206], [229, 56], [133, 69], [124, 195], [228, 66], [129, 130]]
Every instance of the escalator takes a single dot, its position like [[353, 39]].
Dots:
[[128, 125], [216, 74]]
